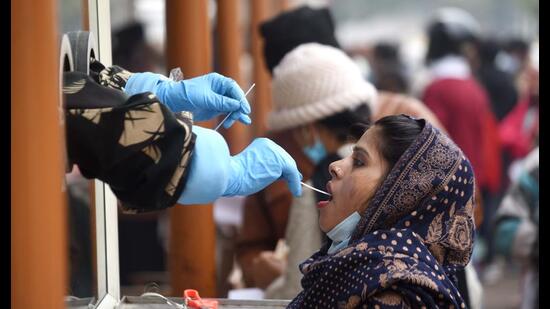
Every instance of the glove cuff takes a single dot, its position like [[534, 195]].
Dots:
[[172, 94], [234, 180], [142, 82], [210, 168]]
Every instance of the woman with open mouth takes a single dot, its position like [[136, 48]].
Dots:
[[399, 222]]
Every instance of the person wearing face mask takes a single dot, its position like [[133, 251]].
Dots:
[[318, 92], [399, 221]]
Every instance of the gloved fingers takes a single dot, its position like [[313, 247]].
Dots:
[[237, 116], [228, 123], [231, 89], [293, 178], [228, 87], [245, 119], [223, 104], [245, 106], [290, 171]]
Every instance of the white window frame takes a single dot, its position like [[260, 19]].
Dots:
[[108, 278]]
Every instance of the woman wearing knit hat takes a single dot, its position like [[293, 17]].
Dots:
[[318, 93]]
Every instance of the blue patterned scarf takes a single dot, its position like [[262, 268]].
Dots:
[[416, 232]]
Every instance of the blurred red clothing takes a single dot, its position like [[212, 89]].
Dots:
[[519, 129], [463, 108]]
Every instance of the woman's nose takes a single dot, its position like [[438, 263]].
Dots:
[[335, 170]]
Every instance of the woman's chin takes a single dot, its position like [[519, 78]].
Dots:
[[325, 219]]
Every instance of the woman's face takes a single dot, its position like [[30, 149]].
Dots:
[[354, 181]]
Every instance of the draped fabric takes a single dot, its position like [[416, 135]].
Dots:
[[416, 232]]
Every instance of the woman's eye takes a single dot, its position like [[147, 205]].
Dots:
[[357, 162]]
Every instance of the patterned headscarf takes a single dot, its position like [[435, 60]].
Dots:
[[415, 233]]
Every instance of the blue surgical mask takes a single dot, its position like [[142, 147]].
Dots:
[[341, 234], [317, 152]]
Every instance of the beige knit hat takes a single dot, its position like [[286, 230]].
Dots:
[[314, 81]]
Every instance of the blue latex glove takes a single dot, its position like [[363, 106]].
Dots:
[[214, 172], [205, 96]]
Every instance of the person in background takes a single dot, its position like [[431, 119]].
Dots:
[[388, 71], [498, 83], [517, 128], [265, 214], [503, 97], [518, 131], [458, 100], [516, 61], [463, 107], [132, 52], [502, 92], [517, 227], [289, 29]]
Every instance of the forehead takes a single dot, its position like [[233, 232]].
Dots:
[[369, 141]]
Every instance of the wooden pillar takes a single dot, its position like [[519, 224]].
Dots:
[[282, 5], [85, 15], [229, 48], [229, 38], [191, 259], [38, 209], [261, 10]]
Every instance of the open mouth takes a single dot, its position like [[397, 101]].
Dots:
[[323, 204]]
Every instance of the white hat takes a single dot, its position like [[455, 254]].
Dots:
[[314, 81], [459, 22]]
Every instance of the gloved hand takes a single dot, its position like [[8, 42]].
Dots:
[[214, 173], [205, 96]]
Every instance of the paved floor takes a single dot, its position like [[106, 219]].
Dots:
[[504, 293]]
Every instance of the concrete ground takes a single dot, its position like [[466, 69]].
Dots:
[[504, 293]]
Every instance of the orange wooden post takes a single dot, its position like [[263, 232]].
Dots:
[[38, 207], [282, 5], [192, 235], [85, 15], [229, 53], [261, 10]]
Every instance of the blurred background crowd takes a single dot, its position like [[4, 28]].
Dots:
[[469, 67]]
